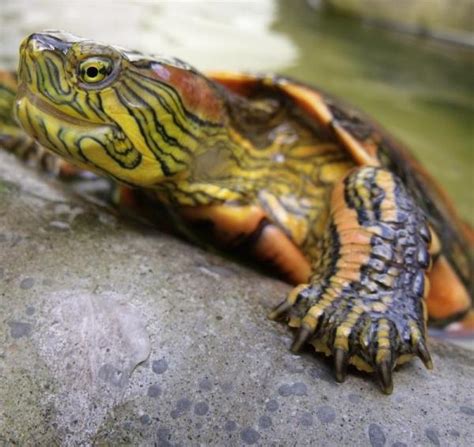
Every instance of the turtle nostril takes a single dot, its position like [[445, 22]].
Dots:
[[40, 42], [45, 41]]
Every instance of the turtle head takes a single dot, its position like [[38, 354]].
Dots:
[[139, 119]]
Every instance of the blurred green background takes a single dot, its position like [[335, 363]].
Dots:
[[421, 90]]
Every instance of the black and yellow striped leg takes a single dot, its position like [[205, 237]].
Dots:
[[365, 302]]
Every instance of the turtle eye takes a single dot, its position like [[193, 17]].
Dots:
[[95, 70]]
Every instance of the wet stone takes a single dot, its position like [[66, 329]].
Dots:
[[230, 426], [326, 414], [354, 398], [249, 435], [164, 437], [322, 374], [467, 410], [432, 435], [272, 405], [201, 408], [154, 391], [205, 384], [300, 389], [19, 329], [376, 436], [295, 389], [27, 283], [306, 419], [145, 419], [285, 390], [112, 416], [227, 387], [112, 375], [159, 366], [294, 367], [265, 422], [182, 406]]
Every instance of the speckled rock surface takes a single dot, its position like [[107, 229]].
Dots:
[[114, 334]]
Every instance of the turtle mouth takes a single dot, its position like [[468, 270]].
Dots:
[[48, 109], [54, 128]]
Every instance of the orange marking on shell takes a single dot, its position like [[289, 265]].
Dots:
[[435, 245], [372, 148], [309, 151], [275, 245], [447, 296], [310, 101], [240, 83], [358, 152]]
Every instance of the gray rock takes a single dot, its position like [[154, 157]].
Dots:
[[124, 346], [19, 329]]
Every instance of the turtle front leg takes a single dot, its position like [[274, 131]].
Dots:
[[364, 304]]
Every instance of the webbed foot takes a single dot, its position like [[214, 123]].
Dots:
[[365, 301]]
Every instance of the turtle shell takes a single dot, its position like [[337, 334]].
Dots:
[[369, 144]]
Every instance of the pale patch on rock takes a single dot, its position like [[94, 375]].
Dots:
[[92, 343]]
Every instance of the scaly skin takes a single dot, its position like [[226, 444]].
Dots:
[[266, 165], [365, 296]]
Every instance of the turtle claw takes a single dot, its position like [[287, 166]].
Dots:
[[423, 353], [280, 310], [285, 306], [384, 373], [304, 333], [374, 339], [341, 359]]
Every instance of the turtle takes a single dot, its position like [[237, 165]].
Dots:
[[267, 165]]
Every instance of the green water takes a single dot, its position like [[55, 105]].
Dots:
[[421, 91]]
